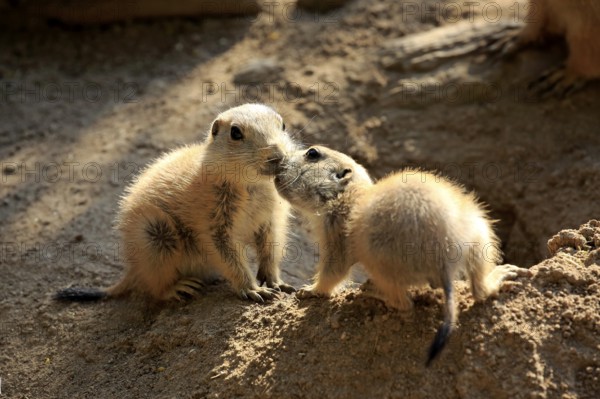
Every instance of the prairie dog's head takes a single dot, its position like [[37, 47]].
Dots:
[[310, 178], [250, 137]]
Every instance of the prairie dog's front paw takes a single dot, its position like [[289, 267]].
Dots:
[[508, 271], [283, 287], [500, 276], [276, 285], [309, 291]]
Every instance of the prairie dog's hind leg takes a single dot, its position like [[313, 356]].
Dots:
[[394, 295], [152, 254]]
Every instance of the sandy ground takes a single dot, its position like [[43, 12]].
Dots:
[[83, 109]]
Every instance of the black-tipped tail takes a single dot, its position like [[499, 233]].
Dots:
[[440, 340], [78, 294], [443, 333]]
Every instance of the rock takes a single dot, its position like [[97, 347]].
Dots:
[[9, 169], [78, 238], [335, 321], [593, 258], [566, 238], [428, 50], [259, 70]]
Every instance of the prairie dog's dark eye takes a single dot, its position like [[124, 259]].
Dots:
[[236, 133], [312, 154], [283, 126]]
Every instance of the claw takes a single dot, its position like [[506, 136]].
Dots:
[[255, 296], [193, 283], [278, 286], [555, 82], [288, 289], [282, 287], [504, 43], [268, 296], [186, 288], [258, 294], [274, 287]]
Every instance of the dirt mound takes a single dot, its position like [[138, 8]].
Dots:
[[539, 338]]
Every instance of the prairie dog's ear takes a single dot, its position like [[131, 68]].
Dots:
[[215, 127]]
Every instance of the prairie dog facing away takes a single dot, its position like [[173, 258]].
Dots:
[[578, 21], [410, 228], [191, 214]]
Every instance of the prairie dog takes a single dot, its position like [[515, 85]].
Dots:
[[192, 214], [410, 228], [578, 21]]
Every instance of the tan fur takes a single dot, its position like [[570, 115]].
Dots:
[[193, 214], [414, 228], [411, 228], [578, 21]]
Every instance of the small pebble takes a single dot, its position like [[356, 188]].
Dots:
[[9, 169]]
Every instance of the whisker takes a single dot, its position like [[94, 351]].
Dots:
[[294, 134], [292, 182]]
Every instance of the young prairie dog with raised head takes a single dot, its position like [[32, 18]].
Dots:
[[578, 21], [410, 228], [192, 214]]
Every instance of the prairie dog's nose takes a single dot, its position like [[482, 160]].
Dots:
[[274, 153], [272, 156], [276, 159]]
